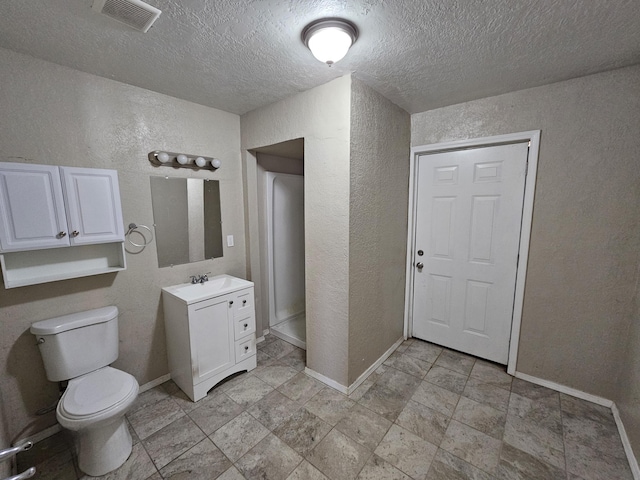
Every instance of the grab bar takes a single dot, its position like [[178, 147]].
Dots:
[[26, 474], [10, 452]]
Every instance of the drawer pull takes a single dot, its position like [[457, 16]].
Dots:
[[244, 302], [230, 302], [246, 348], [246, 325]]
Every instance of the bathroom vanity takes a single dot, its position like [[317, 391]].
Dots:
[[211, 332]]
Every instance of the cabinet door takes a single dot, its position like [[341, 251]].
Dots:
[[32, 214], [211, 335], [94, 213]]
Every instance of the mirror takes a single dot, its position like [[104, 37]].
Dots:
[[187, 219]]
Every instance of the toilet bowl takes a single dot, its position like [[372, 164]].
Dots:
[[94, 406], [78, 348]]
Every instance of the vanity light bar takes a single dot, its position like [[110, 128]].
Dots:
[[172, 159]]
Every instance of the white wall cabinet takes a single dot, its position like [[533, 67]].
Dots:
[[44, 207], [210, 335]]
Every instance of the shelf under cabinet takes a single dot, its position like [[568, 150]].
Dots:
[[41, 266]]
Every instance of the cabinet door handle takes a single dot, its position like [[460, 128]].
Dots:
[[246, 348], [246, 325], [244, 302], [230, 302], [62, 234], [75, 233]]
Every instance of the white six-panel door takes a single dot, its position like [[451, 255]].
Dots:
[[468, 219]]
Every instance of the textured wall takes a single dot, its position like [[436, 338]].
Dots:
[[586, 235], [628, 398], [380, 138], [54, 115], [321, 116]]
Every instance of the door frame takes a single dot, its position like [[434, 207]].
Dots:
[[533, 137]]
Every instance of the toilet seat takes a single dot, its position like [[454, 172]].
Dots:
[[96, 396]]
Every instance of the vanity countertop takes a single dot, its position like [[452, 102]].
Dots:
[[219, 285]]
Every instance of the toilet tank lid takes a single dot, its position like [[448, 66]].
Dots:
[[61, 324]]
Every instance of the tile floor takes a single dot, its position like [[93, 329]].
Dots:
[[427, 413]]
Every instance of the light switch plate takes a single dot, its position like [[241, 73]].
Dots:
[[229, 240]]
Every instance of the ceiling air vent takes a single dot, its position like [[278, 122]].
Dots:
[[134, 13]]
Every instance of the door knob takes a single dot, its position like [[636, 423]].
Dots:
[[419, 265], [62, 234], [75, 233]]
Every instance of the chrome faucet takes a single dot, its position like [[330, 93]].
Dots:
[[200, 278]]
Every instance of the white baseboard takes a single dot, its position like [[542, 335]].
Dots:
[[633, 461], [374, 366], [39, 436], [326, 380], [48, 432], [558, 387], [348, 390], [154, 383], [261, 339]]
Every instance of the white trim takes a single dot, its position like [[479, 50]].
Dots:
[[351, 388], [326, 380], [533, 137], [523, 251], [374, 366], [41, 435], [50, 431], [154, 383], [558, 387], [633, 461], [408, 291], [628, 450]]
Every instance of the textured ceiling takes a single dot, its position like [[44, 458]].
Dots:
[[421, 54]]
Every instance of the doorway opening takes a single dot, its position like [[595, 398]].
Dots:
[[280, 181]]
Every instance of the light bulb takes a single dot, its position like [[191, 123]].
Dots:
[[215, 163], [201, 162], [330, 44], [163, 157], [182, 159]]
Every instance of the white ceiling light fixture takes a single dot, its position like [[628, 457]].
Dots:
[[329, 39]]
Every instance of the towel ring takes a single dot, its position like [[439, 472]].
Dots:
[[134, 228]]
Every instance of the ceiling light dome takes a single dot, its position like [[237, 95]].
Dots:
[[329, 39]]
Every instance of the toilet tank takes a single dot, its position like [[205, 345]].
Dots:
[[75, 344]]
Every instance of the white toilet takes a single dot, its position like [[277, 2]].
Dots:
[[79, 347]]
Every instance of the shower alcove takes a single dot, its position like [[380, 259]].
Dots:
[[280, 170]]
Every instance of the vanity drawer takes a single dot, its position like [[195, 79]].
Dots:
[[243, 303], [245, 348], [245, 326]]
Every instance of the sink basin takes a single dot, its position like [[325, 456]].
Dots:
[[218, 285]]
